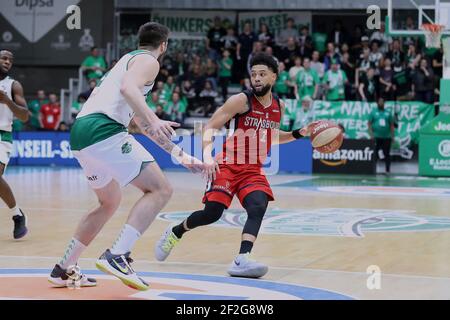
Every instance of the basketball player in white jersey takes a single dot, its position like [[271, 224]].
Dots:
[[111, 158], [12, 103]]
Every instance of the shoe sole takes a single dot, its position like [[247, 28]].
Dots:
[[58, 285], [157, 247], [128, 282], [252, 273], [21, 235]]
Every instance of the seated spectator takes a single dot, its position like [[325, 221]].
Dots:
[[413, 58], [265, 36], [35, 107], [50, 113], [257, 48], [307, 82], [305, 44], [225, 66], [283, 83], [152, 100], [295, 69], [94, 65], [318, 66], [230, 41], [289, 32], [77, 105], [211, 72], [375, 56], [363, 65], [169, 64], [289, 52], [365, 44], [383, 39], [403, 84], [423, 83], [197, 78], [213, 43], [269, 51], [247, 84], [163, 95], [367, 89], [168, 87], [330, 55], [207, 98], [176, 108], [92, 84], [338, 36], [334, 82], [396, 55], [189, 93], [387, 86], [355, 41], [161, 113], [304, 114]]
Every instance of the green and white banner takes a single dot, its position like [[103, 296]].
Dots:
[[276, 21], [353, 115], [192, 25]]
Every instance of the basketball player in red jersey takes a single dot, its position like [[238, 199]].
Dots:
[[253, 119]]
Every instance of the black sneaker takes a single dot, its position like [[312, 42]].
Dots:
[[20, 225], [119, 266], [60, 278]]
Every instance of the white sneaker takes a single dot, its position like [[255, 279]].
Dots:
[[165, 244], [62, 278], [242, 266]]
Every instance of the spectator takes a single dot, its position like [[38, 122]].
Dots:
[[367, 88], [403, 85], [181, 65], [396, 55], [269, 51], [437, 62], [355, 41], [344, 49], [225, 66], [176, 108], [375, 56], [77, 105], [92, 84], [208, 96], [94, 65], [152, 100], [50, 113], [413, 58], [381, 128], [288, 53], [330, 55], [211, 72], [246, 84], [349, 68], [160, 113], [282, 85], [307, 82], [63, 127], [423, 83], [35, 108], [319, 39], [230, 41], [364, 65], [318, 66], [169, 64], [257, 48], [338, 35], [168, 87], [189, 93], [304, 114], [294, 70], [387, 86], [305, 42], [265, 36], [364, 45], [197, 78], [245, 45], [334, 82], [382, 38], [213, 40], [286, 34]]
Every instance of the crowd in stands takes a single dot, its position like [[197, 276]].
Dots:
[[335, 66]]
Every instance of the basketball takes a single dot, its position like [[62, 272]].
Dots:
[[326, 136]]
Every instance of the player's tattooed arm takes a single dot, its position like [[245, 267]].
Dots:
[[17, 104]]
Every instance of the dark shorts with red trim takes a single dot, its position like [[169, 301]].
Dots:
[[237, 180]]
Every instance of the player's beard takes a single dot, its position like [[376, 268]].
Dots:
[[263, 90]]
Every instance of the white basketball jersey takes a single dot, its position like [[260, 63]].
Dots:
[[6, 115], [106, 97]]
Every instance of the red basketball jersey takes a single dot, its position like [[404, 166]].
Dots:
[[250, 134]]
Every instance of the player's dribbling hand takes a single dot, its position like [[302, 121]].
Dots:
[[193, 164], [306, 131], [164, 128]]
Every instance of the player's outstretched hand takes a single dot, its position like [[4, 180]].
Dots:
[[164, 128], [211, 169]]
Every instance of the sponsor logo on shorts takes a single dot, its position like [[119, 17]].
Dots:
[[344, 222], [165, 286], [126, 148]]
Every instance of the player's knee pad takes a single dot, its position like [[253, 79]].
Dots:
[[256, 206], [213, 211]]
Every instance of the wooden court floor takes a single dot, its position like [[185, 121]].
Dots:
[[323, 238]]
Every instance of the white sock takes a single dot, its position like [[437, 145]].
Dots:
[[72, 254], [126, 239], [15, 211]]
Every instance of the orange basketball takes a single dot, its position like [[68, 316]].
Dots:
[[326, 136]]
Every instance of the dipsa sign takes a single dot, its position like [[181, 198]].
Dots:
[[355, 156], [42, 148]]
